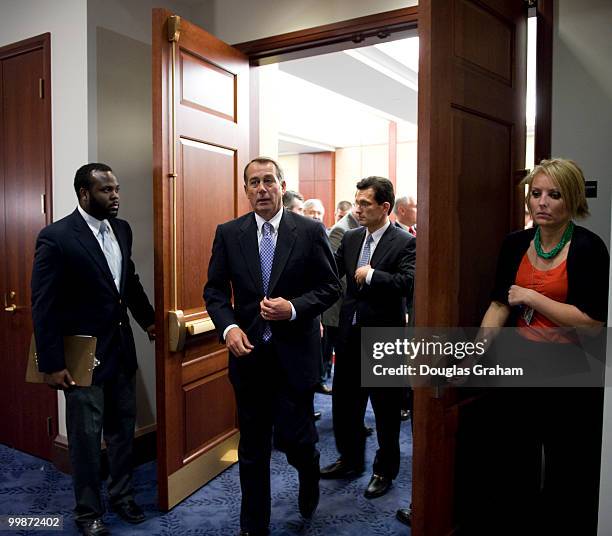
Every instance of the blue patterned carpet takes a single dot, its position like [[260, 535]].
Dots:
[[29, 485]]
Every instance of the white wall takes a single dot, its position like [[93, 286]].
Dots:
[[582, 98], [581, 119], [67, 22], [291, 170]]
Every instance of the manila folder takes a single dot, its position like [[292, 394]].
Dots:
[[80, 357]]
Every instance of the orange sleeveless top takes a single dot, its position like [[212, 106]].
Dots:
[[552, 284]]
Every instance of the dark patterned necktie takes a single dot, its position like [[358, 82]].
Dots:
[[266, 258]]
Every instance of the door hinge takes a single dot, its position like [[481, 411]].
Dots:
[[43, 203], [41, 88], [174, 28], [50, 426]]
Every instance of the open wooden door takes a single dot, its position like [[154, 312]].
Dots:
[[472, 79], [200, 136], [28, 412]]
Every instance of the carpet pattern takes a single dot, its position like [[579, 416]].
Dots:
[[29, 485]]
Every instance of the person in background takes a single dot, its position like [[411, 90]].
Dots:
[[342, 209], [378, 261], [265, 302], [405, 211], [83, 282], [314, 209], [293, 201], [330, 318]]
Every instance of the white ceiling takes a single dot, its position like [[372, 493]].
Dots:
[[345, 99]]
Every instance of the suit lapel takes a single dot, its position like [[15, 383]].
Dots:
[[285, 240], [91, 246], [383, 246], [354, 251], [250, 250]]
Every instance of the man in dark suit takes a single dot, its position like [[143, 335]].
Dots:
[[280, 270], [378, 261], [83, 283]]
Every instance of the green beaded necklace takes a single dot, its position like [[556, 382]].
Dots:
[[567, 235]]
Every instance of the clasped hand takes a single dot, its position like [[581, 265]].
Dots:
[[361, 274], [520, 296], [271, 309], [275, 309]]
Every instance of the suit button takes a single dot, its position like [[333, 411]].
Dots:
[[120, 302], [119, 323]]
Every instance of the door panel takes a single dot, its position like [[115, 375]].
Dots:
[[471, 145], [28, 411], [219, 164], [200, 133]]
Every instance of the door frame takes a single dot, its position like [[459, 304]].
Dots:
[[309, 42]]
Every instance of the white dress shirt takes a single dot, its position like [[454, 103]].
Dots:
[[94, 224], [376, 236], [275, 222]]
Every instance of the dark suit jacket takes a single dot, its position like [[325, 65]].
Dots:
[[303, 272], [381, 303], [73, 293]]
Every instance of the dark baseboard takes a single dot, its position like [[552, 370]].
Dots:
[[145, 450]]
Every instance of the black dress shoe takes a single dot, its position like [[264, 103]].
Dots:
[[323, 389], [253, 532], [316, 415], [405, 516], [341, 469], [92, 527], [308, 497], [404, 414], [129, 511], [378, 486]]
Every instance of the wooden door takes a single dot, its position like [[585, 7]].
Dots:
[[201, 143], [28, 412], [472, 76]]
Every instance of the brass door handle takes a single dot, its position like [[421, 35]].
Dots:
[[10, 296]]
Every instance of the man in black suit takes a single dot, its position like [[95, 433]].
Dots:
[[83, 283], [378, 261], [280, 270]]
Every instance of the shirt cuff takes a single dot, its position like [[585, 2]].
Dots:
[[369, 276], [293, 313], [227, 329]]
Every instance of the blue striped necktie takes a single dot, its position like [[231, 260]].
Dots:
[[363, 260], [266, 258]]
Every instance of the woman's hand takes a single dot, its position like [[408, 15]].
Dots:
[[521, 296]]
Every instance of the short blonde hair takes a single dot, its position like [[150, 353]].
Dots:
[[568, 177]]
